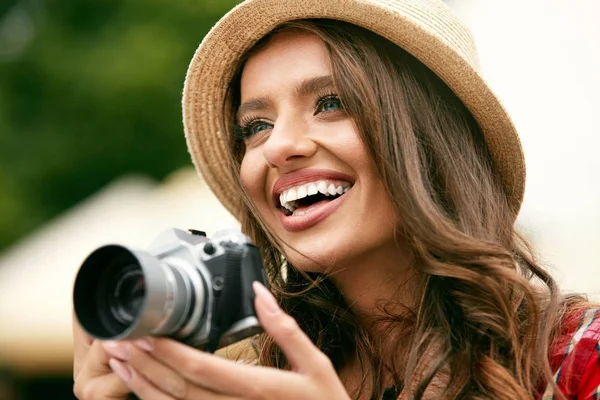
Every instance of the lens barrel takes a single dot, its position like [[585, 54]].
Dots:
[[121, 293]]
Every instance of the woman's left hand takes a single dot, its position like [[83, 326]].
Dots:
[[164, 369]]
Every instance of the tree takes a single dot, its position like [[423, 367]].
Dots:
[[95, 93]]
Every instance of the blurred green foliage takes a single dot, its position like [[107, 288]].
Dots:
[[94, 92]]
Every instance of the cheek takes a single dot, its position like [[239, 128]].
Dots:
[[252, 177], [246, 174]]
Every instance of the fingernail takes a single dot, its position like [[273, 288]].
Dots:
[[143, 344], [115, 349], [120, 369], [265, 296]]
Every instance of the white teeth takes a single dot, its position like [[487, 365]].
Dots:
[[302, 192], [322, 187], [290, 206], [288, 197], [291, 195]]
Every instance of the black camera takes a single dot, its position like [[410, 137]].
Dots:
[[186, 286]]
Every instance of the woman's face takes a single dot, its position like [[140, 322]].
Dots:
[[305, 166]]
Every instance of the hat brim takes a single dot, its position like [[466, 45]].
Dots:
[[424, 28]]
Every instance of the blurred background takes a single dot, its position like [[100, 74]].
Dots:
[[92, 148]]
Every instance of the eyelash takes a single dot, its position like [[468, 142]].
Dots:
[[242, 131], [324, 98]]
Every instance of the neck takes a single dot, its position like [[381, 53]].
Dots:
[[382, 290], [382, 280], [379, 284]]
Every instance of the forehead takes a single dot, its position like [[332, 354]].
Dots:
[[287, 56]]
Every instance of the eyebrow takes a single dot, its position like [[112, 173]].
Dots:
[[313, 85], [305, 88]]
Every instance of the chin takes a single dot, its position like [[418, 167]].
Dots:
[[306, 259], [313, 264]]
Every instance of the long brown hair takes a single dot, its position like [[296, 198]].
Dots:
[[487, 307]]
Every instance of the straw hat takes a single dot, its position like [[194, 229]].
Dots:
[[427, 29]]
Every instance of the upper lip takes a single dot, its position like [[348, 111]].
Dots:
[[299, 177]]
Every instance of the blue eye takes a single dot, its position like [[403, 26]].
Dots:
[[328, 104], [254, 127], [257, 127]]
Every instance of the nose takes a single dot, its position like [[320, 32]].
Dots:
[[288, 142]]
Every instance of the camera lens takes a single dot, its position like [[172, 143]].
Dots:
[[127, 295], [123, 294]]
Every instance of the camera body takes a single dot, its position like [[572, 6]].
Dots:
[[185, 286]]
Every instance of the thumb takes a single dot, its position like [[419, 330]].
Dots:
[[302, 354]]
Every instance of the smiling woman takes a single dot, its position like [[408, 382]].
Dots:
[[381, 178], [308, 141]]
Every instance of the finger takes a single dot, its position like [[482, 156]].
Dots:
[[197, 392], [302, 354], [81, 345], [144, 389], [136, 382], [98, 387], [95, 363], [221, 375], [152, 370]]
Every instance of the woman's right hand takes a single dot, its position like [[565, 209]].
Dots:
[[94, 380]]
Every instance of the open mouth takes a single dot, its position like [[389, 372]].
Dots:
[[300, 199]]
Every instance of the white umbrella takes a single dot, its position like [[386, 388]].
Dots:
[[36, 275]]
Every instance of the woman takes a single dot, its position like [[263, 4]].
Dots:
[[381, 178]]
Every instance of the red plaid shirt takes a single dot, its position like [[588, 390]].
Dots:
[[575, 359]]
